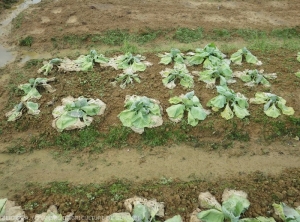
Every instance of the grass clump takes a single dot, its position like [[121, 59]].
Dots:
[[187, 35], [27, 41]]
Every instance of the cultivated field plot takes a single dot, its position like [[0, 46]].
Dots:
[[107, 100]]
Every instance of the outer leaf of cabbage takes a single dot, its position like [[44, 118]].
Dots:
[[2, 206], [176, 218], [32, 94], [211, 215], [198, 113], [166, 60], [140, 121], [91, 109], [65, 121], [141, 213], [234, 206], [33, 108], [297, 74], [218, 102], [251, 58], [278, 208], [291, 214], [15, 113], [237, 57], [239, 111], [120, 217], [272, 111], [260, 98], [175, 100], [195, 60], [176, 111], [298, 56], [227, 113], [126, 117], [285, 110], [187, 81], [53, 217], [138, 66]]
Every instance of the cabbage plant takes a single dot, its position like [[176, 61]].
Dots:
[[141, 112], [173, 56], [228, 98], [180, 73], [76, 113], [255, 77], [127, 77], [47, 66], [128, 60], [210, 76], [31, 93], [238, 56], [83, 63], [271, 102], [286, 213], [210, 56], [190, 103], [234, 204]]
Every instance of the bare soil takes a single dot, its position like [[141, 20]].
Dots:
[[266, 165]]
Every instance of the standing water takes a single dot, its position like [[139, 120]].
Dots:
[[6, 55]]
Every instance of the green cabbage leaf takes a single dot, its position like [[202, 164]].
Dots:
[[273, 104], [244, 53], [181, 73], [190, 103]]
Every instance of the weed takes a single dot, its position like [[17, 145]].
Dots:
[[286, 33], [250, 34], [117, 190], [117, 136], [17, 21], [27, 41], [33, 63], [238, 134], [127, 47], [221, 34], [147, 36], [186, 35], [165, 181], [162, 135], [31, 205], [17, 149], [115, 37], [77, 139]]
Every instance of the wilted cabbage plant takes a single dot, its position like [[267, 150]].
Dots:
[[210, 56], [221, 72], [31, 95], [173, 56], [180, 73], [136, 63], [238, 56], [127, 77], [234, 204], [76, 113], [255, 77], [190, 103], [141, 112], [286, 213], [228, 98], [271, 101], [83, 63]]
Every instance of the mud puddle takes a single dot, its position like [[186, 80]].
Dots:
[[6, 54]]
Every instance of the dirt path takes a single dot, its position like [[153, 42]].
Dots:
[[182, 162]]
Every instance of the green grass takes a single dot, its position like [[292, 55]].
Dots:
[[115, 37], [117, 136], [27, 41], [162, 135], [187, 35], [77, 140]]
